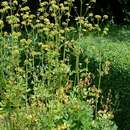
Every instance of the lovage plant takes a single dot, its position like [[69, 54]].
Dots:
[[40, 88]]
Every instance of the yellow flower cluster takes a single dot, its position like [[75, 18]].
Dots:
[[25, 42], [16, 35], [5, 7], [98, 17]]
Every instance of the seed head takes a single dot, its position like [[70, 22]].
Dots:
[[105, 16], [98, 17]]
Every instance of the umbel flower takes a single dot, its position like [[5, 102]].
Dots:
[[98, 17], [105, 16]]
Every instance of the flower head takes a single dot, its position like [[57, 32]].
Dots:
[[98, 17], [105, 16]]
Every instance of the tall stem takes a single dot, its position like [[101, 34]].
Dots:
[[81, 7], [77, 68]]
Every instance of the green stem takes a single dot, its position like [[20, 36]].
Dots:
[[99, 83], [81, 7], [77, 68], [100, 69]]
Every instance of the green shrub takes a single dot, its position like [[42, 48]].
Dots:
[[117, 54]]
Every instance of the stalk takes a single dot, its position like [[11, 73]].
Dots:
[[77, 68], [99, 82]]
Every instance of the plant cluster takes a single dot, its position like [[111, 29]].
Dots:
[[36, 90]]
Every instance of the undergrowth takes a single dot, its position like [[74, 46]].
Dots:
[[113, 52]]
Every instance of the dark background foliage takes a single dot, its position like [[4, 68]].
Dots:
[[118, 9]]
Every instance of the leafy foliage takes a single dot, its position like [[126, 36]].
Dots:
[[115, 54], [37, 90]]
